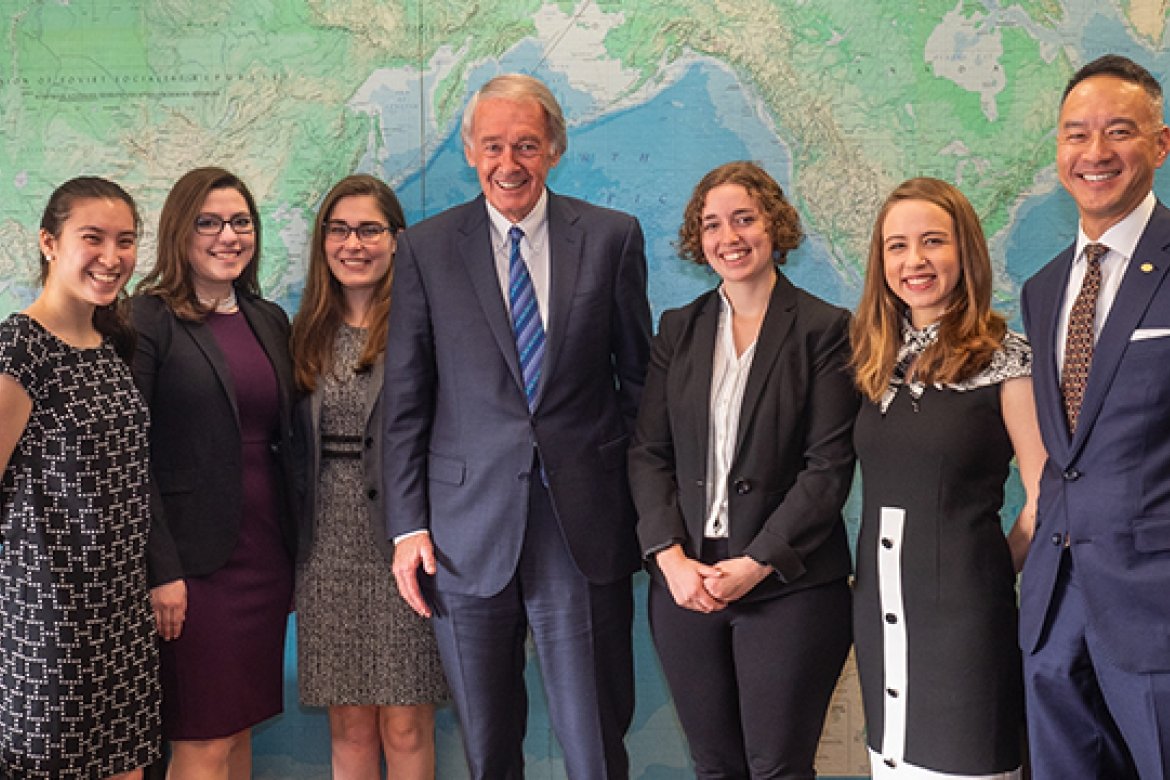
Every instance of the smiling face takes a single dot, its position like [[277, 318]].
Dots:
[[1110, 140], [218, 260], [512, 153], [920, 258], [735, 236], [355, 264], [94, 254]]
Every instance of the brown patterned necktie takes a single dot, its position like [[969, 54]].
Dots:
[[1078, 345]]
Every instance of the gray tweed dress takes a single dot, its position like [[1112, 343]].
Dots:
[[357, 640]]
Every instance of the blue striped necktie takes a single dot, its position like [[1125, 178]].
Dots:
[[526, 325]]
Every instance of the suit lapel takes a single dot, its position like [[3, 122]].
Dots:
[[275, 346], [565, 246], [475, 250], [203, 338], [1145, 274], [702, 357], [1046, 377], [774, 330]]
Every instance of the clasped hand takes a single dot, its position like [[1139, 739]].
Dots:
[[708, 587]]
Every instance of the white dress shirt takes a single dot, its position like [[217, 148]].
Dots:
[[729, 375], [1122, 240]]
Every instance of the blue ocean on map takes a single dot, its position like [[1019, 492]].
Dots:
[[646, 159]]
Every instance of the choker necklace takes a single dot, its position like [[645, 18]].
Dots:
[[225, 305]]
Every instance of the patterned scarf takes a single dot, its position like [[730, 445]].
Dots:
[[914, 343]]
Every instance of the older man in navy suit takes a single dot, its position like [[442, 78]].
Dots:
[[519, 335], [1095, 595]]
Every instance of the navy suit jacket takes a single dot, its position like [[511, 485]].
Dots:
[[793, 462], [459, 438], [195, 450], [1108, 487]]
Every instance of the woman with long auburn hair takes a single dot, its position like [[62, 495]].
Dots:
[[213, 364], [362, 652], [948, 404]]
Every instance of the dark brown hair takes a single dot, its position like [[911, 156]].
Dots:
[[969, 331], [171, 278], [780, 217], [113, 321], [322, 308]]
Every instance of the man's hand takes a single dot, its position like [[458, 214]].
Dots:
[[410, 553]]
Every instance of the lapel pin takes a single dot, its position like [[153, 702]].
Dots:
[[1147, 267]]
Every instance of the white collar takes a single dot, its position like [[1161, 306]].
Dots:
[[1124, 236]]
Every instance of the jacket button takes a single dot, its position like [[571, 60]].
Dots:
[[274, 448], [372, 493], [743, 486], [1058, 539], [1071, 475], [369, 442]]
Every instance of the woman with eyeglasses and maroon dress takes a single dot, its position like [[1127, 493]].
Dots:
[[213, 365]]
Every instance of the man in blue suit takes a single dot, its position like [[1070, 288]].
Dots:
[[1095, 595], [518, 340]]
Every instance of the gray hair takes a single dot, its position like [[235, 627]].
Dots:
[[518, 87]]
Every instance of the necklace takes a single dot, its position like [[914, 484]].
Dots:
[[224, 305]]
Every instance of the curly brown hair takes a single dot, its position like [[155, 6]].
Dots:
[[780, 216]]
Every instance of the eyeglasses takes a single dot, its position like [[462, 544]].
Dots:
[[367, 232], [212, 224]]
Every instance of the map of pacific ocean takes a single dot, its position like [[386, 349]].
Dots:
[[839, 99]]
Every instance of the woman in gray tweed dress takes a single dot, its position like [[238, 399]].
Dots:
[[362, 652]]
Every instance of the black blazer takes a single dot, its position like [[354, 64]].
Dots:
[[793, 463], [195, 449]]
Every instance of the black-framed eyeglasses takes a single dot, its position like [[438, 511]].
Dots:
[[212, 224], [367, 232]]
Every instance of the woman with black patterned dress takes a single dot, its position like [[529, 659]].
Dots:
[[361, 651], [79, 691], [949, 404]]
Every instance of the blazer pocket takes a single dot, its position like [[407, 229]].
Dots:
[[449, 471], [1145, 334], [176, 480], [1152, 534], [612, 454]]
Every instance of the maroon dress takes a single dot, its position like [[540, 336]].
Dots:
[[224, 673]]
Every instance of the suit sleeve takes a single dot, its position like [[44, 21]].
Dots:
[[811, 508], [408, 397], [631, 325], [652, 472], [152, 321]]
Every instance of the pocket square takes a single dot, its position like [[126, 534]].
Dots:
[[1144, 334]]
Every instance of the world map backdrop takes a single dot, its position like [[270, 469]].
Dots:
[[839, 99]]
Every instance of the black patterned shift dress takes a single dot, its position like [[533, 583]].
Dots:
[[79, 691]]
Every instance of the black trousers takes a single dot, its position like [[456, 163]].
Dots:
[[752, 682]]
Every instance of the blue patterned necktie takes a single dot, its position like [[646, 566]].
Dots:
[[526, 325]]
